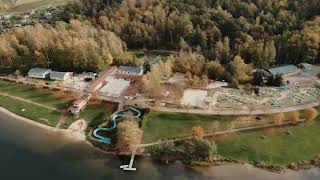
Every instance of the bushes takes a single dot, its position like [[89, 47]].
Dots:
[[276, 80], [192, 150], [200, 149]]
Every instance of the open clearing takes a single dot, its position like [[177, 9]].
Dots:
[[277, 147], [169, 125]]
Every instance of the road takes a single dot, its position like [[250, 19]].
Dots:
[[220, 133], [271, 110]]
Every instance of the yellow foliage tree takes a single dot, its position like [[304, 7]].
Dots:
[[294, 116], [278, 119], [311, 114], [198, 131]]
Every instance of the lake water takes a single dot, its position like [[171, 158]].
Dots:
[[31, 153]]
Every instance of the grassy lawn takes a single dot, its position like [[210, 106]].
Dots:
[[94, 113], [168, 125], [41, 96], [36, 113], [279, 147]]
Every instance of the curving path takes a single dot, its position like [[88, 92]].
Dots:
[[117, 117]]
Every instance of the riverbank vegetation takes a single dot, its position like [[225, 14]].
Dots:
[[190, 152]]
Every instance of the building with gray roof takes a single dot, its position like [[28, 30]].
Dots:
[[40, 73], [131, 70], [60, 76], [284, 70]]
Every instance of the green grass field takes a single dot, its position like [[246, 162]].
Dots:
[[169, 125], [93, 113], [36, 113], [42, 96], [279, 147]]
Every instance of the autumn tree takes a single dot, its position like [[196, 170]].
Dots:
[[294, 116], [151, 82], [198, 131], [215, 70], [189, 62], [239, 69], [278, 119], [199, 149], [310, 114], [128, 136]]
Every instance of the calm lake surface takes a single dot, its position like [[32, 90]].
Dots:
[[31, 153]]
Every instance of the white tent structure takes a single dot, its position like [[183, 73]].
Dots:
[[60, 76], [40, 73]]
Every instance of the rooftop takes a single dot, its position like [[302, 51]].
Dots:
[[115, 87], [101, 78], [285, 69], [131, 69], [57, 74], [39, 71]]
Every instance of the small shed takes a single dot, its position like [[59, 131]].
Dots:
[[40, 73], [131, 70], [60, 76], [284, 70]]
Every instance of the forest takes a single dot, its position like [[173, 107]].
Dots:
[[6, 4], [262, 32], [223, 39], [75, 46]]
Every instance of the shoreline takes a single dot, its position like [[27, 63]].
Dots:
[[73, 135], [70, 134], [79, 136]]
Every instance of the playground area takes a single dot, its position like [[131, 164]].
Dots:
[[268, 97]]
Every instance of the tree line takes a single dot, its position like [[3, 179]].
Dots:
[[74, 46], [261, 32]]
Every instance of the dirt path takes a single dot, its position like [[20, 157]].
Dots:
[[30, 102], [271, 110], [61, 120]]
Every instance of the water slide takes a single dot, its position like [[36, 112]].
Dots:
[[114, 119]]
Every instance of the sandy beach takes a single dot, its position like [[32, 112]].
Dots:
[[74, 133]]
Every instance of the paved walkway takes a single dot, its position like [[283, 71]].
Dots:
[[268, 110], [220, 133]]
